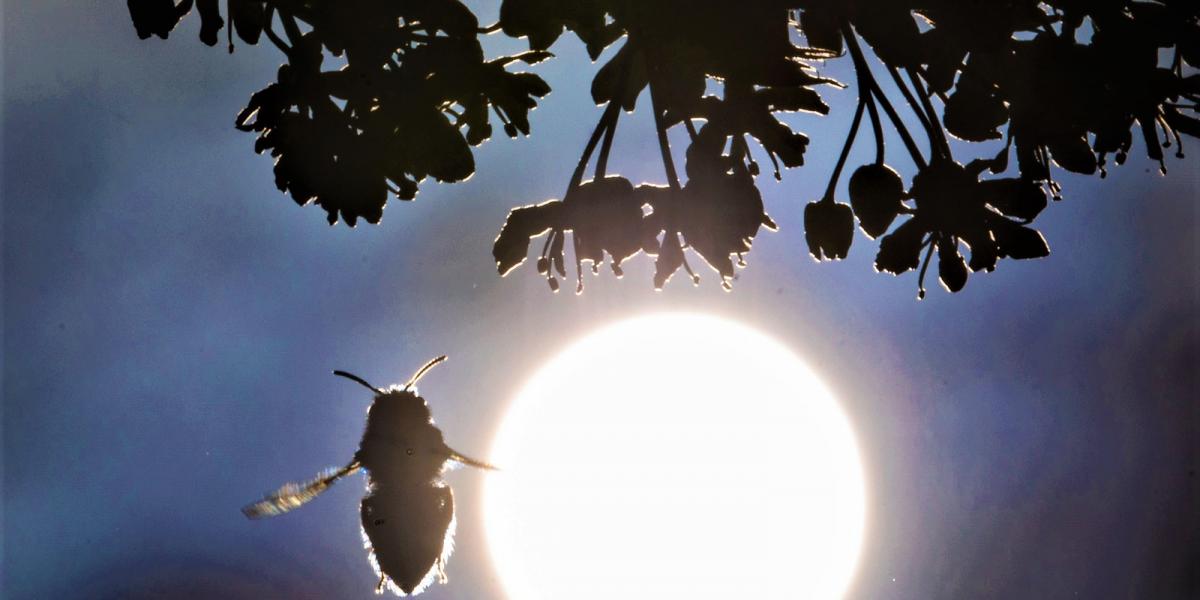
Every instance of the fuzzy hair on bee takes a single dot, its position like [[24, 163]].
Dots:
[[407, 514]]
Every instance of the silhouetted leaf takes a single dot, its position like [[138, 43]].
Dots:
[[157, 17], [1015, 198], [1182, 123], [984, 252], [605, 217], [542, 21], [821, 29], [900, 250], [512, 245], [719, 217], [975, 116], [1073, 154], [1019, 242], [624, 76], [952, 269]]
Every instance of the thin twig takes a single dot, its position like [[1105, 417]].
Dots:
[[691, 129], [917, 108], [577, 177], [610, 132], [606, 146], [905, 136], [860, 64], [664, 144], [876, 126], [924, 268], [229, 25], [837, 170], [290, 27], [934, 124], [274, 37]]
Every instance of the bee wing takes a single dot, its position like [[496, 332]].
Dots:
[[294, 495], [409, 534]]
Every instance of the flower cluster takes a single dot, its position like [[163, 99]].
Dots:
[[1059, 84]]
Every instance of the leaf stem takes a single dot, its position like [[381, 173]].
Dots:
[[602, 160], [837, 169], [917, 108], [269, 30], [924, 268], [860, 65], [934, 124], [664, 145], [876, 128], [613, 105], [604, 123], [229, 25], [290, 27], [691, 128]]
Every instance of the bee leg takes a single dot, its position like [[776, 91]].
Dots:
[[382, 585], [459, 457]]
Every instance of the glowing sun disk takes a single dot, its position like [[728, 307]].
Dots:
[[675, 456]]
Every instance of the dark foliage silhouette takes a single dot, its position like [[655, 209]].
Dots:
[[1064, 83], [408, 512]]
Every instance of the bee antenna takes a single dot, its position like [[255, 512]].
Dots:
[[358, 380], [423, 370]]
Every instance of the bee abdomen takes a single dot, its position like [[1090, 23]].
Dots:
[[409, 532]]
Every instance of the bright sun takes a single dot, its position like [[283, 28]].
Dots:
[[675, 456]]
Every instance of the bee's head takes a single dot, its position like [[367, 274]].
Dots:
[[402, 417], [398, 410]]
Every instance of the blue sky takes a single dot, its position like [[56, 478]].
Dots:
[[170, 321]]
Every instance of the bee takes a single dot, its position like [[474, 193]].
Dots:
[[408, 511]]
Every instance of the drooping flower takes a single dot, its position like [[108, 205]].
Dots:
[[953, 207], [828, 229]]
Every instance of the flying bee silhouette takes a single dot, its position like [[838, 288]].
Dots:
[[408, 510]]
